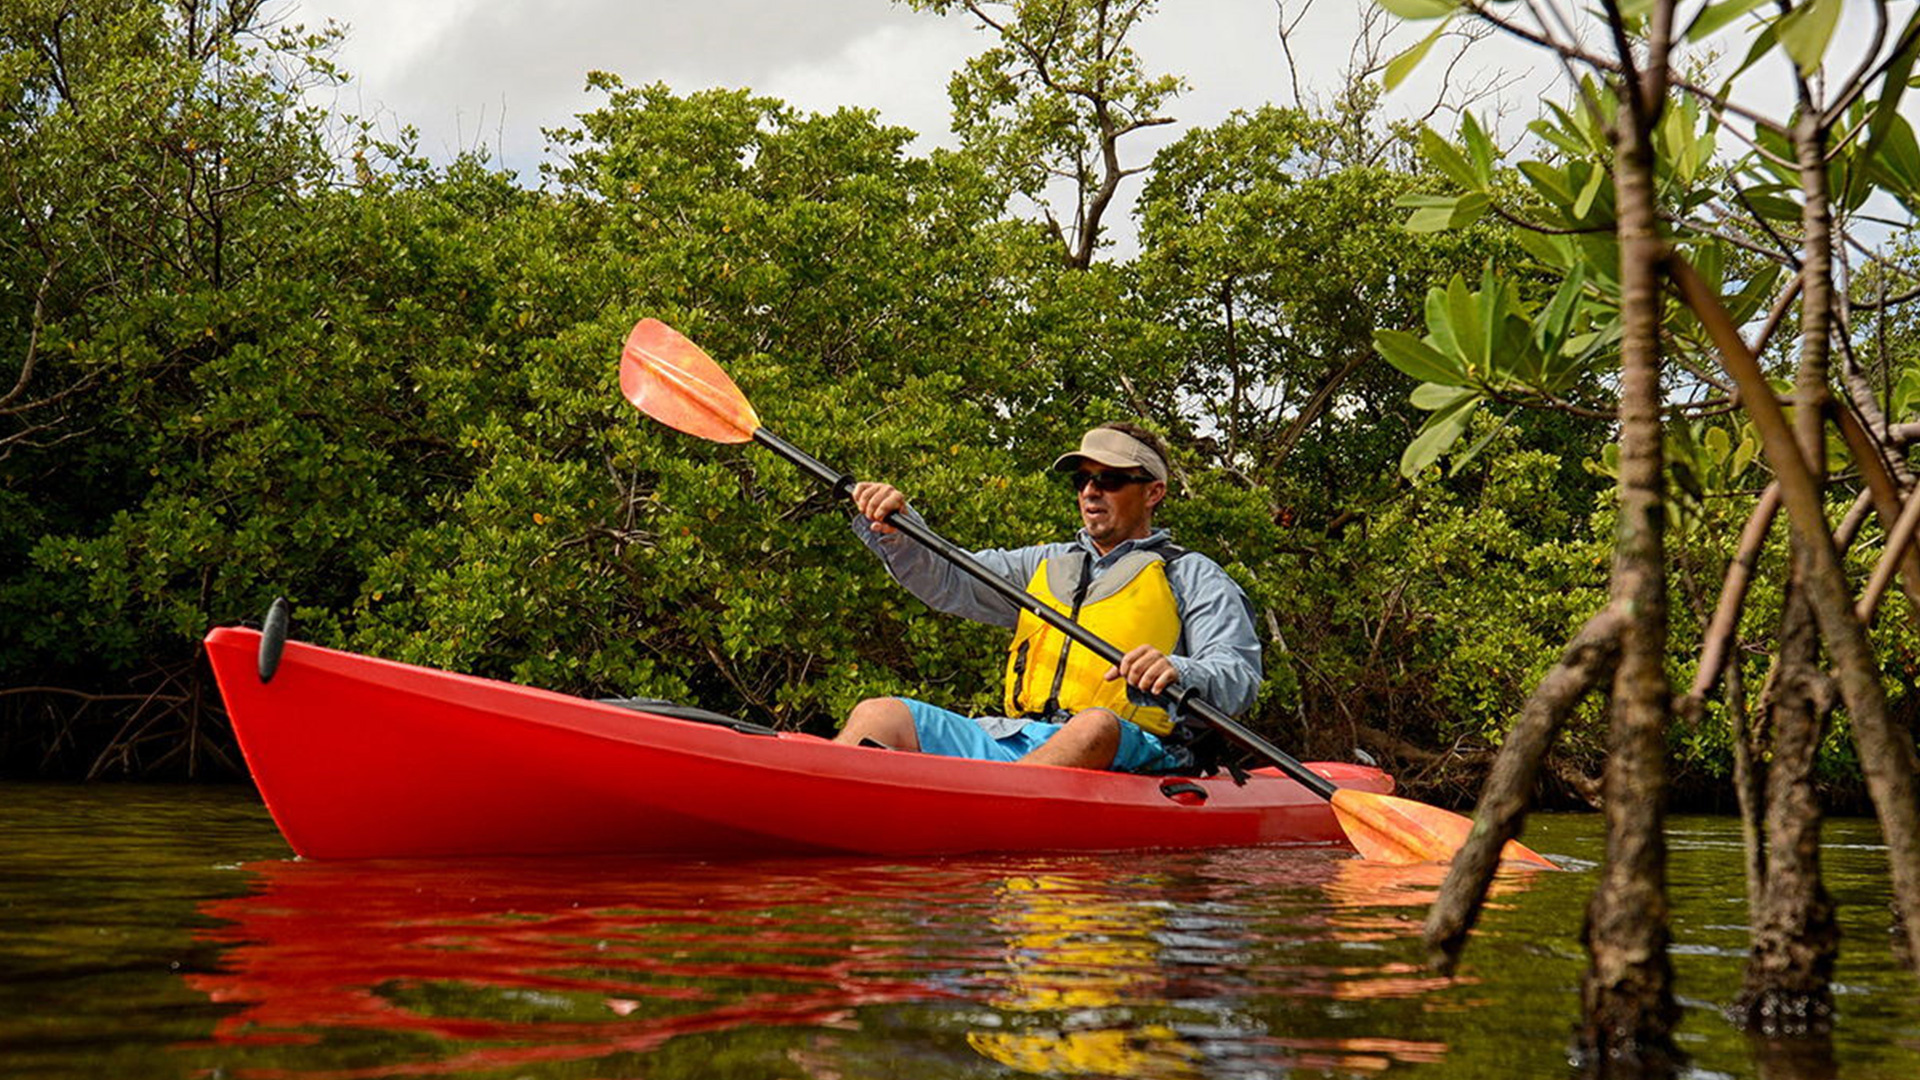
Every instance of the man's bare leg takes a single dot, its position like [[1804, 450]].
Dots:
[[1088, 741], [884, 720]]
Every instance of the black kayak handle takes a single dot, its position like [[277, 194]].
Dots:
[[273, 637]]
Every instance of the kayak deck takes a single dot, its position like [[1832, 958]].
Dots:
[[358, 757]]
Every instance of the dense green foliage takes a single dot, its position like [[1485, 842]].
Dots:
[[391, 397]]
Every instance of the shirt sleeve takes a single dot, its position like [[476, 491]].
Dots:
[[943, 586], [1220, 650]]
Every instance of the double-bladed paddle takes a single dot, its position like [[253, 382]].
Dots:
[[670, 379]]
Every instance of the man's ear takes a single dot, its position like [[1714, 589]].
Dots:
[[1156, 494]]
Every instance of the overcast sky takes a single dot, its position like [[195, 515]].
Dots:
[[492, 74], [468, 73]]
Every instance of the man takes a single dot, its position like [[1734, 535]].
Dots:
[[1174, 614]]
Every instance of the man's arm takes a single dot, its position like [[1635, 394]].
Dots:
[[938, 583], [1221, 649]]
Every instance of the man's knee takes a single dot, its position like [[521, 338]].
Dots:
[[884, 720], [1099, 727], [1088, 740]]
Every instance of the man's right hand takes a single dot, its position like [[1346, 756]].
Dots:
[[876, 502]]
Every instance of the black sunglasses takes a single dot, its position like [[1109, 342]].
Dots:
[[1106, 481]]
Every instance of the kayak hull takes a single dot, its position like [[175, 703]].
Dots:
[[358, 757]]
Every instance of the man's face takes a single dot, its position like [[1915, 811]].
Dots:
[[1124, 513]]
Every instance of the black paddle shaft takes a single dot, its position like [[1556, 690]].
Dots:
[[1188, 698]]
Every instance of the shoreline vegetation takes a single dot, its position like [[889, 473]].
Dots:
[[262, 352]]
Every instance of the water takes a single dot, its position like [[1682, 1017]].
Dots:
[[167, 932]]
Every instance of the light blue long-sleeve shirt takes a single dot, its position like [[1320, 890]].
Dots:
[[1218, 653]]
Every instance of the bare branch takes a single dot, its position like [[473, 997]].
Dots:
[[1501, 815], [1717, 644]]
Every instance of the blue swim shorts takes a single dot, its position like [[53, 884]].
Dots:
[[950, 734]]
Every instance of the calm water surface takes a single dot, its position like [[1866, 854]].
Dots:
[[168, 932]]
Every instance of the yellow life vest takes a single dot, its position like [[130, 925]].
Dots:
[[1129, 605]]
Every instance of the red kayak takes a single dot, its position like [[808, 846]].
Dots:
[[364, 758]]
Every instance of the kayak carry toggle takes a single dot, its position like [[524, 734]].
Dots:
[[273, 637]]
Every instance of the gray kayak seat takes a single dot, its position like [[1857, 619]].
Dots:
[[676, 711]]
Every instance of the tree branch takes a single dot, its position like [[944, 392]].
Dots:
[[1501, 814]]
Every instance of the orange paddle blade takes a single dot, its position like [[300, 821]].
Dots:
[[1395, 830], [670, 379]]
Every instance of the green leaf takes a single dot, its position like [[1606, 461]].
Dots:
[[1756, 292], [1440, 327], [1806, 30], [1433, 397], [1898, 163], [1549, 181], [1419, 9], [1714, 16], [1430, 220], [1463, 316], [1686, 150], [1894, 86], [1552, 251], [1440, 432], [1479, 146], [1718, 445], [1449, 160], [1581, 352], [1588, 192], [1416, 358], [1402, 66], [1556, 322], [1769, 204], [1439, 213], [1468, 209], [1559, 138], [1610, 459], [1491, 314]]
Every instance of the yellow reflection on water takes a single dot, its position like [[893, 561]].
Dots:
[[1081, 953]]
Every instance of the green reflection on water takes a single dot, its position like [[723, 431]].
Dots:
[[133, 942], [100, 890]]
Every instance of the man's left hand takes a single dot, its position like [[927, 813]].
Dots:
[[1145, 668]]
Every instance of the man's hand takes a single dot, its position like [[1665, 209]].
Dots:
[[876, 502], [1145, 668]]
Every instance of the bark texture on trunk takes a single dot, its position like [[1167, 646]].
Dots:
[[1795, 936], [1627, 994]]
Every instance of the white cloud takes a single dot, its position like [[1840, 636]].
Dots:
[[496, 72], [900, 70]]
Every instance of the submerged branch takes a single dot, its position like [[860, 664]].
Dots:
[[1586, 662]]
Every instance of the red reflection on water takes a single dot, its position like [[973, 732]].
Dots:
[[436, 967], [322, 947]]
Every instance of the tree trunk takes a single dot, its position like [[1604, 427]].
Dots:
[[1627, 994], [1795, 937]]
